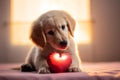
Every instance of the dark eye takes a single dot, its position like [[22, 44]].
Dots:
[[63, 27], [51, 33]]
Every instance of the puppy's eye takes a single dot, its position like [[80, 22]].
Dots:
[[51, 33], [63, 27]]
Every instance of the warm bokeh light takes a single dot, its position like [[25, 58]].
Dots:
[[20, 33], [83, 32], [22, 16]]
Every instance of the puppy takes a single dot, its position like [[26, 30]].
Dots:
[[52, 32]]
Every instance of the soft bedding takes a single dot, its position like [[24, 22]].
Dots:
[[91, 71]]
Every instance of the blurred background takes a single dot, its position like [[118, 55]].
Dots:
[[97, 31]]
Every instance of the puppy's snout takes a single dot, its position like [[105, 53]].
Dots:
[[63, 43]]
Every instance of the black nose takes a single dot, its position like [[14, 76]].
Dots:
[[63, 43]]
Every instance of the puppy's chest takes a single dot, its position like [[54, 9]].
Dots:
[[45, 54]]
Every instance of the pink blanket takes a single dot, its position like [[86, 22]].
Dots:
[[91, 71]]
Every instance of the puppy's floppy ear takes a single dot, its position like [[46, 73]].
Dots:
[[70, 23], [37, 34]]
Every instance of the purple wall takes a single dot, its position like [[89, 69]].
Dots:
[[106, 27]]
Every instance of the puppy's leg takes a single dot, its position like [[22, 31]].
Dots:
[[42, 66], [75, 66], [76, 62]]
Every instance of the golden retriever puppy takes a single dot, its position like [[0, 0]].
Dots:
[[52, 32]]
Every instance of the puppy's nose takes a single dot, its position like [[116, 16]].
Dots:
[[63, 43]]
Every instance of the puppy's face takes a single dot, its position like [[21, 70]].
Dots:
[[56, 32], [53, 27]]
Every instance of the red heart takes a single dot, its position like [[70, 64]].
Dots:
[[59, 62]]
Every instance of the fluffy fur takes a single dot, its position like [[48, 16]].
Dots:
[[52, 32]]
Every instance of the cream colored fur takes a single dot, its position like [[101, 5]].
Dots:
[[47, 32]]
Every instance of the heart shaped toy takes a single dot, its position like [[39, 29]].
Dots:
[[59, 62]]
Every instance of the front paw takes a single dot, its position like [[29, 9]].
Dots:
[[43, 70], [74, 69]]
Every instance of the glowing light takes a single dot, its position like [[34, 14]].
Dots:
[[83, 33], [20, 34], [20, 24]]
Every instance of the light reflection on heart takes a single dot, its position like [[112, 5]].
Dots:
[[58, 57]]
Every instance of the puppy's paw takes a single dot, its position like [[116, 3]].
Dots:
[[74, 69], [26, 68], [43, 70]]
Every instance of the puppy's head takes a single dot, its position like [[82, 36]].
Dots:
[[54, 28]]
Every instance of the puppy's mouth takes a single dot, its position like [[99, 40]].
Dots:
[[62, 45]]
